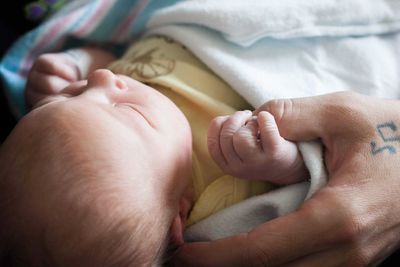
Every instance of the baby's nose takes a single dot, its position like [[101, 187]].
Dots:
[[105, 79]]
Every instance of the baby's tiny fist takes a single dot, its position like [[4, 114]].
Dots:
[[269, 132], [246, 140]]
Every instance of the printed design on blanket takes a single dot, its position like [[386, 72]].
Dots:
[[146, 65]]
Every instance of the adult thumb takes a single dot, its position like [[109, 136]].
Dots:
[[300, 119]]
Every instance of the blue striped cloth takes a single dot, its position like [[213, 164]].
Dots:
[[110, 23]]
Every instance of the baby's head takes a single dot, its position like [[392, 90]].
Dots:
[[95, 176]]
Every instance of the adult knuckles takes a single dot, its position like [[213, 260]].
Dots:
[[340, 105], [258, 256], [279, 108], [339, 215], [358, 258], [261, 259], [350, 115], [348, 106], [352, 228]]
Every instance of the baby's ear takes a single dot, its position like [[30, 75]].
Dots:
[[176, 231]]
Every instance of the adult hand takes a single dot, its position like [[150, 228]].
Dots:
[[355, 219]]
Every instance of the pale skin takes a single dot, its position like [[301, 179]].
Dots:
[[116, 143], [251, 147], [354, 220], [59, 79]]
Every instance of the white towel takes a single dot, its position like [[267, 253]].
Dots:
[[245, 22], [285, 49]]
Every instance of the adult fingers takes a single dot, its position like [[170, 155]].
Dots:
[[345, 255], [300, 118], [265, 246], [327, 258], [281, 240], [229, 251]]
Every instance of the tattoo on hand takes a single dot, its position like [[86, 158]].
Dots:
[[388, 133]]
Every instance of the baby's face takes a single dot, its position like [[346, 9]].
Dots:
[[85, 165], [123, 122], [136, 124]]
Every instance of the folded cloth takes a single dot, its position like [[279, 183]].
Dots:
[[245, 22], [246, 215]]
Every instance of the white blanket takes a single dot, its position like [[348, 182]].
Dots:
[[285, 49]]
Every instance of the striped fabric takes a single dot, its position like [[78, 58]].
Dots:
[[110, 23]]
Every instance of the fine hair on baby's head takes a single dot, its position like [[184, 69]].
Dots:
[[73, 194]]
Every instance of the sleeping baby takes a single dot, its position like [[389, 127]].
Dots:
[[110, 165]]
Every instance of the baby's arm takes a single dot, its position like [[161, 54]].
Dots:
[[251, 147], [52, 72]]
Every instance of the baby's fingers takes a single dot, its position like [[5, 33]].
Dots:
[[45, 83], [269, 132], [213, 142], [229, 129], [246, 142]]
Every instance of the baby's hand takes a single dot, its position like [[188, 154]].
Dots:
[[251, 147], [49, 75], [53, 72]]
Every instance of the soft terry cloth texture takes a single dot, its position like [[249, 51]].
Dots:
[[245, 22], [323, 46], [284, 49], [263, 49]]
